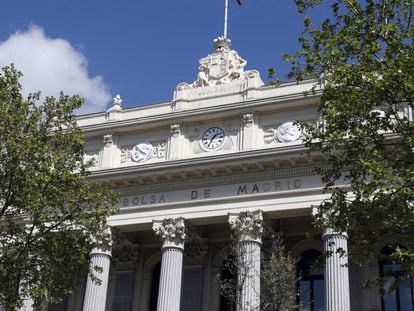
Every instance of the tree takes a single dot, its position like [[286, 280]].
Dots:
[[364, 57], [49, 212], [278, 275]]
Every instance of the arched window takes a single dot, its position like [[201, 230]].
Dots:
[[155, 284], [401, 298], [311, 286]]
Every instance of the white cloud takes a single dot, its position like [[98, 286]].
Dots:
[[53, 65]]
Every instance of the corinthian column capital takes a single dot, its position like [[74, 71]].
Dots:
[[247, 226], [171, 231]]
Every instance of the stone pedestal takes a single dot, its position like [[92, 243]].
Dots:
[[95, 294], [337, 296], [247, 229], [172, 233]]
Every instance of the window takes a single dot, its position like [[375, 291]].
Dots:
[[400, 299], [311, 286], [155, 284], [123, 291]]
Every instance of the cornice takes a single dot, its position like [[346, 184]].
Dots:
[[236, 166], [199, 113]]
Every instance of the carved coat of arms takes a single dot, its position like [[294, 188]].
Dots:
[[219, 65]]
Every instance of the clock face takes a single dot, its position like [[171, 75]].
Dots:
[[213, 138]]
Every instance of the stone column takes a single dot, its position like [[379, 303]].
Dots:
[[247, 229], [172, 233], [337, 296], [95, 294], [26, 306]]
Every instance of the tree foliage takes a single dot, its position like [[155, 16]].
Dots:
[[49, 212], [363, 55], [278, 275]]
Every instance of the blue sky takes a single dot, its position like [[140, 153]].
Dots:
[[140, 49]]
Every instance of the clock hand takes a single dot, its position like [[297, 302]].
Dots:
[[211, 140]]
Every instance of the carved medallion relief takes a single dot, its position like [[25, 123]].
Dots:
[[286, 132], [143, 152]]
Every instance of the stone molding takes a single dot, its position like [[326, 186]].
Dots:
[[220, 180], [171, 231], [247, 226]]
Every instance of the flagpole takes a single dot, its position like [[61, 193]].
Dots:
[[226, 7]]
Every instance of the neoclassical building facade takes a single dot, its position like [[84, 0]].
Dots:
[[224, 158]]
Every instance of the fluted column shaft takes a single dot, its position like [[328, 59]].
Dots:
[[95, 294], [249, 278], [172, 233], [247, 229], [337, 291], [27, 304]]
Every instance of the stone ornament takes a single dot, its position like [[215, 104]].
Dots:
[[175, 129], [171, 231], [158, 152], [248, 119], [223, 66], [142, 152], [124, 253], [107, 139], [247, 225], [288, 132], [117, 101], [196, 248], [102, 244]]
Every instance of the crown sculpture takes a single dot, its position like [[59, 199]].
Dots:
[[223, 66]]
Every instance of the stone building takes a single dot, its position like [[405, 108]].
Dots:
[[223, 157]]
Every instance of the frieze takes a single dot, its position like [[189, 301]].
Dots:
[[221, 180], [223, 191]]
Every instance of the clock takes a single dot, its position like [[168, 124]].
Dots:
[[213, 138]]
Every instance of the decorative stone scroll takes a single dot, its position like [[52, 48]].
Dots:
[[171, 231], [143, 152], [247, 225], [92, 157]]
